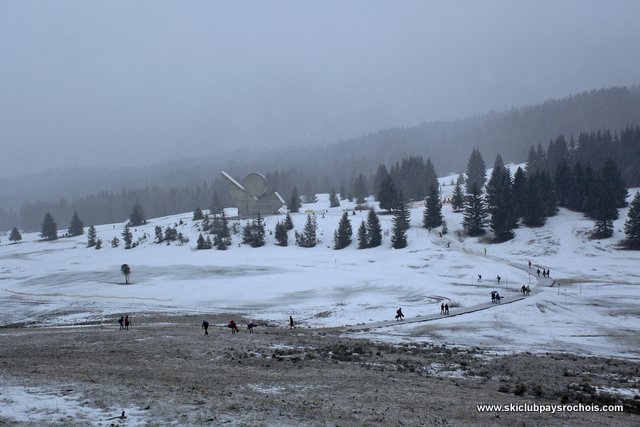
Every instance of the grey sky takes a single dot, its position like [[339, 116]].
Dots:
[[120, 82]]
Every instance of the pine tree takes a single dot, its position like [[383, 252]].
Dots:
[[632, 224], [474, 217], [342, 236], [282, 238], [99, 244], [294, 203], [518, 193], [159, 234], [288, 222], [399, 236], [604, 203], [115, 242], [363, 238], [92, 237], [381, 174], [387, 196], [360, 189], [127, 237], [403, 210], [533, 203], [259, 228], [216, 204], [197, 214], [49, 228], [500, 203], [15, 235], [222, 228], [334, 202], [374, 230], [76, 228], [220, 243], [307, 239], [432, 216], [614, 182], [476, 171], [457, 199], [202, 243], [136, 217]]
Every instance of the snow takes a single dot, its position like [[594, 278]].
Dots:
[[592, 308]]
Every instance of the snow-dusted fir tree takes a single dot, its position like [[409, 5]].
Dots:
[[15, 235], [334, 202], [363, 237], [282, 238], [374, 230], [388, 195], [342, 236], [500, 202], [632, 224], [294, 202], [127, 237], [136, 217], [288, 222], [457, 198], [76, 227], [476, 171], [197, 214], [253, 232], [92, 237], [474, 217], [432, 216], [49, 229], [307, 239], [399, 235]]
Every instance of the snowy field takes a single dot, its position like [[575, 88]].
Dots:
[[592, 307]]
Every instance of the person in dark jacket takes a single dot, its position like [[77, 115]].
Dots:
[[127, 322], [291, 325], [205, 326]]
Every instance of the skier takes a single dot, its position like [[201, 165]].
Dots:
[[205, 326]]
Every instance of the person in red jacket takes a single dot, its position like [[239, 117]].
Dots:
[[233, 326]]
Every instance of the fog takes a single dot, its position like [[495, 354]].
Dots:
[[124, 83]]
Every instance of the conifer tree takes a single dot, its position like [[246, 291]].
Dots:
[[282, 238], [533, 203], [197, 214], [388, 195], [127, 237], [518, 193], [49, 228], [403, 211], [381, 174], [399, 236], [76, 227], [136, 217], [216, 204], [15, 235], [115, 242], [159, 234], [202, 243], [259, 231], [342, 236], [457, 199], [363, 238], [500, 203], [360, 189], [432, 216], [307, 239], [294, 202], [288, 222], [334, 202], [632, 224], [98, 244], [221, 243], [374, 230], [92, 237], [476, 171], [474, 217], [604, 204]]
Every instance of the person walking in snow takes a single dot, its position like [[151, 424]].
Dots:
[[250, 326], [291, 325], [498, 278], [121, 322], [205, 326], [529, 263], [479, 277], [442, 308], [399, 315], [446, 309], [538, 272], [127, 322], [498, 298], [234, 327]]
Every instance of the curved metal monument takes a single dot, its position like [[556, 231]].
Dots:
[[252, 196]]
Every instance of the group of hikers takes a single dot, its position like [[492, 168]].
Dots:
[[124, 322], [545, 272], [234, 326], [444, 308]]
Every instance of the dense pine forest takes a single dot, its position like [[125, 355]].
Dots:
[[582, 130]]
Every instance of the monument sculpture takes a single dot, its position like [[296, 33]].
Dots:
[[253, 195]]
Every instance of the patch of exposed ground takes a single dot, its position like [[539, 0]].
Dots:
[[166, 367]]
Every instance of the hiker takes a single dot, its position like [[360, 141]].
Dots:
[[446, 308], [523, 289], [121, 322], [291, 325], [250, 326], [498, 298], [529, 263], [127, 323], [493, 297], [498, 278], [448, 244], [442, 308], [399, 315], [233, 326], [479, 277], [528, 290], [205, 326], [548, 272], [538, 272]]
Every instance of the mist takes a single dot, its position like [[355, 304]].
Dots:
[[132, 83]]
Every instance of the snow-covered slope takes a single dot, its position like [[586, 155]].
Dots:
[[594, 309]]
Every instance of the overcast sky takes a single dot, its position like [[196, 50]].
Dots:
[[133, 82]]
